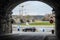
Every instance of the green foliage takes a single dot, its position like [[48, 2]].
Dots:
[[41, 23]]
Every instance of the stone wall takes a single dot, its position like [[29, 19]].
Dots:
[[5, 22]]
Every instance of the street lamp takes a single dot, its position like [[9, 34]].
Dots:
[[53, 11], [22, 9]]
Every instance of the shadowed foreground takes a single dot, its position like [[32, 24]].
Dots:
[[21, 36]]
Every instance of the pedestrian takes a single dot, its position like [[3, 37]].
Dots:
[[18, 28], [43, 30]]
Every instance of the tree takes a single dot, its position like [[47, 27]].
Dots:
[[21, 20], [28, 21]]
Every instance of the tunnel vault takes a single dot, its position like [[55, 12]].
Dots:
[[6, 7]]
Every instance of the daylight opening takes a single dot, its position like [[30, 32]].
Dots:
[[33, 16]]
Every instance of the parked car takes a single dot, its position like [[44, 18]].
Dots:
[[33, 29]]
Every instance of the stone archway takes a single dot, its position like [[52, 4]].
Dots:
[[6, 6]]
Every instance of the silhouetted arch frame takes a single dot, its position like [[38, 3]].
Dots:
[[13, 3], [55, 4]]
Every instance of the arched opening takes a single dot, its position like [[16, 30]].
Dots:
[[37, 13], [7, 7]]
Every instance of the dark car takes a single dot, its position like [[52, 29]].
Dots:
[[33, 29]]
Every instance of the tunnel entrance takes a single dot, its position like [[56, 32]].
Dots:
[[6, 11], [7, 28]]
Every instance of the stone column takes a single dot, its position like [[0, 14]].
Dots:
[[5, 21], [2, 21], [57, 11], [9, 25]]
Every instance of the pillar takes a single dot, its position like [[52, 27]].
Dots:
[[5, 22], [2, 21], [9, 25], [57, 11]]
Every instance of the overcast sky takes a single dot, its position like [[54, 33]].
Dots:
[[32, 8]]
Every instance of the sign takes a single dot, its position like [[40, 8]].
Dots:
[[51, 21]]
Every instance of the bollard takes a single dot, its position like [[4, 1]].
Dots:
[[52, 31]]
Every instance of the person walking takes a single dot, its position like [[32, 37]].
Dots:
[[43, 30], [18, 28]]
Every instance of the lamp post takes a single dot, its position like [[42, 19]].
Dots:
[[53, 11], [52, 18], [22, 9], [22, 14]]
